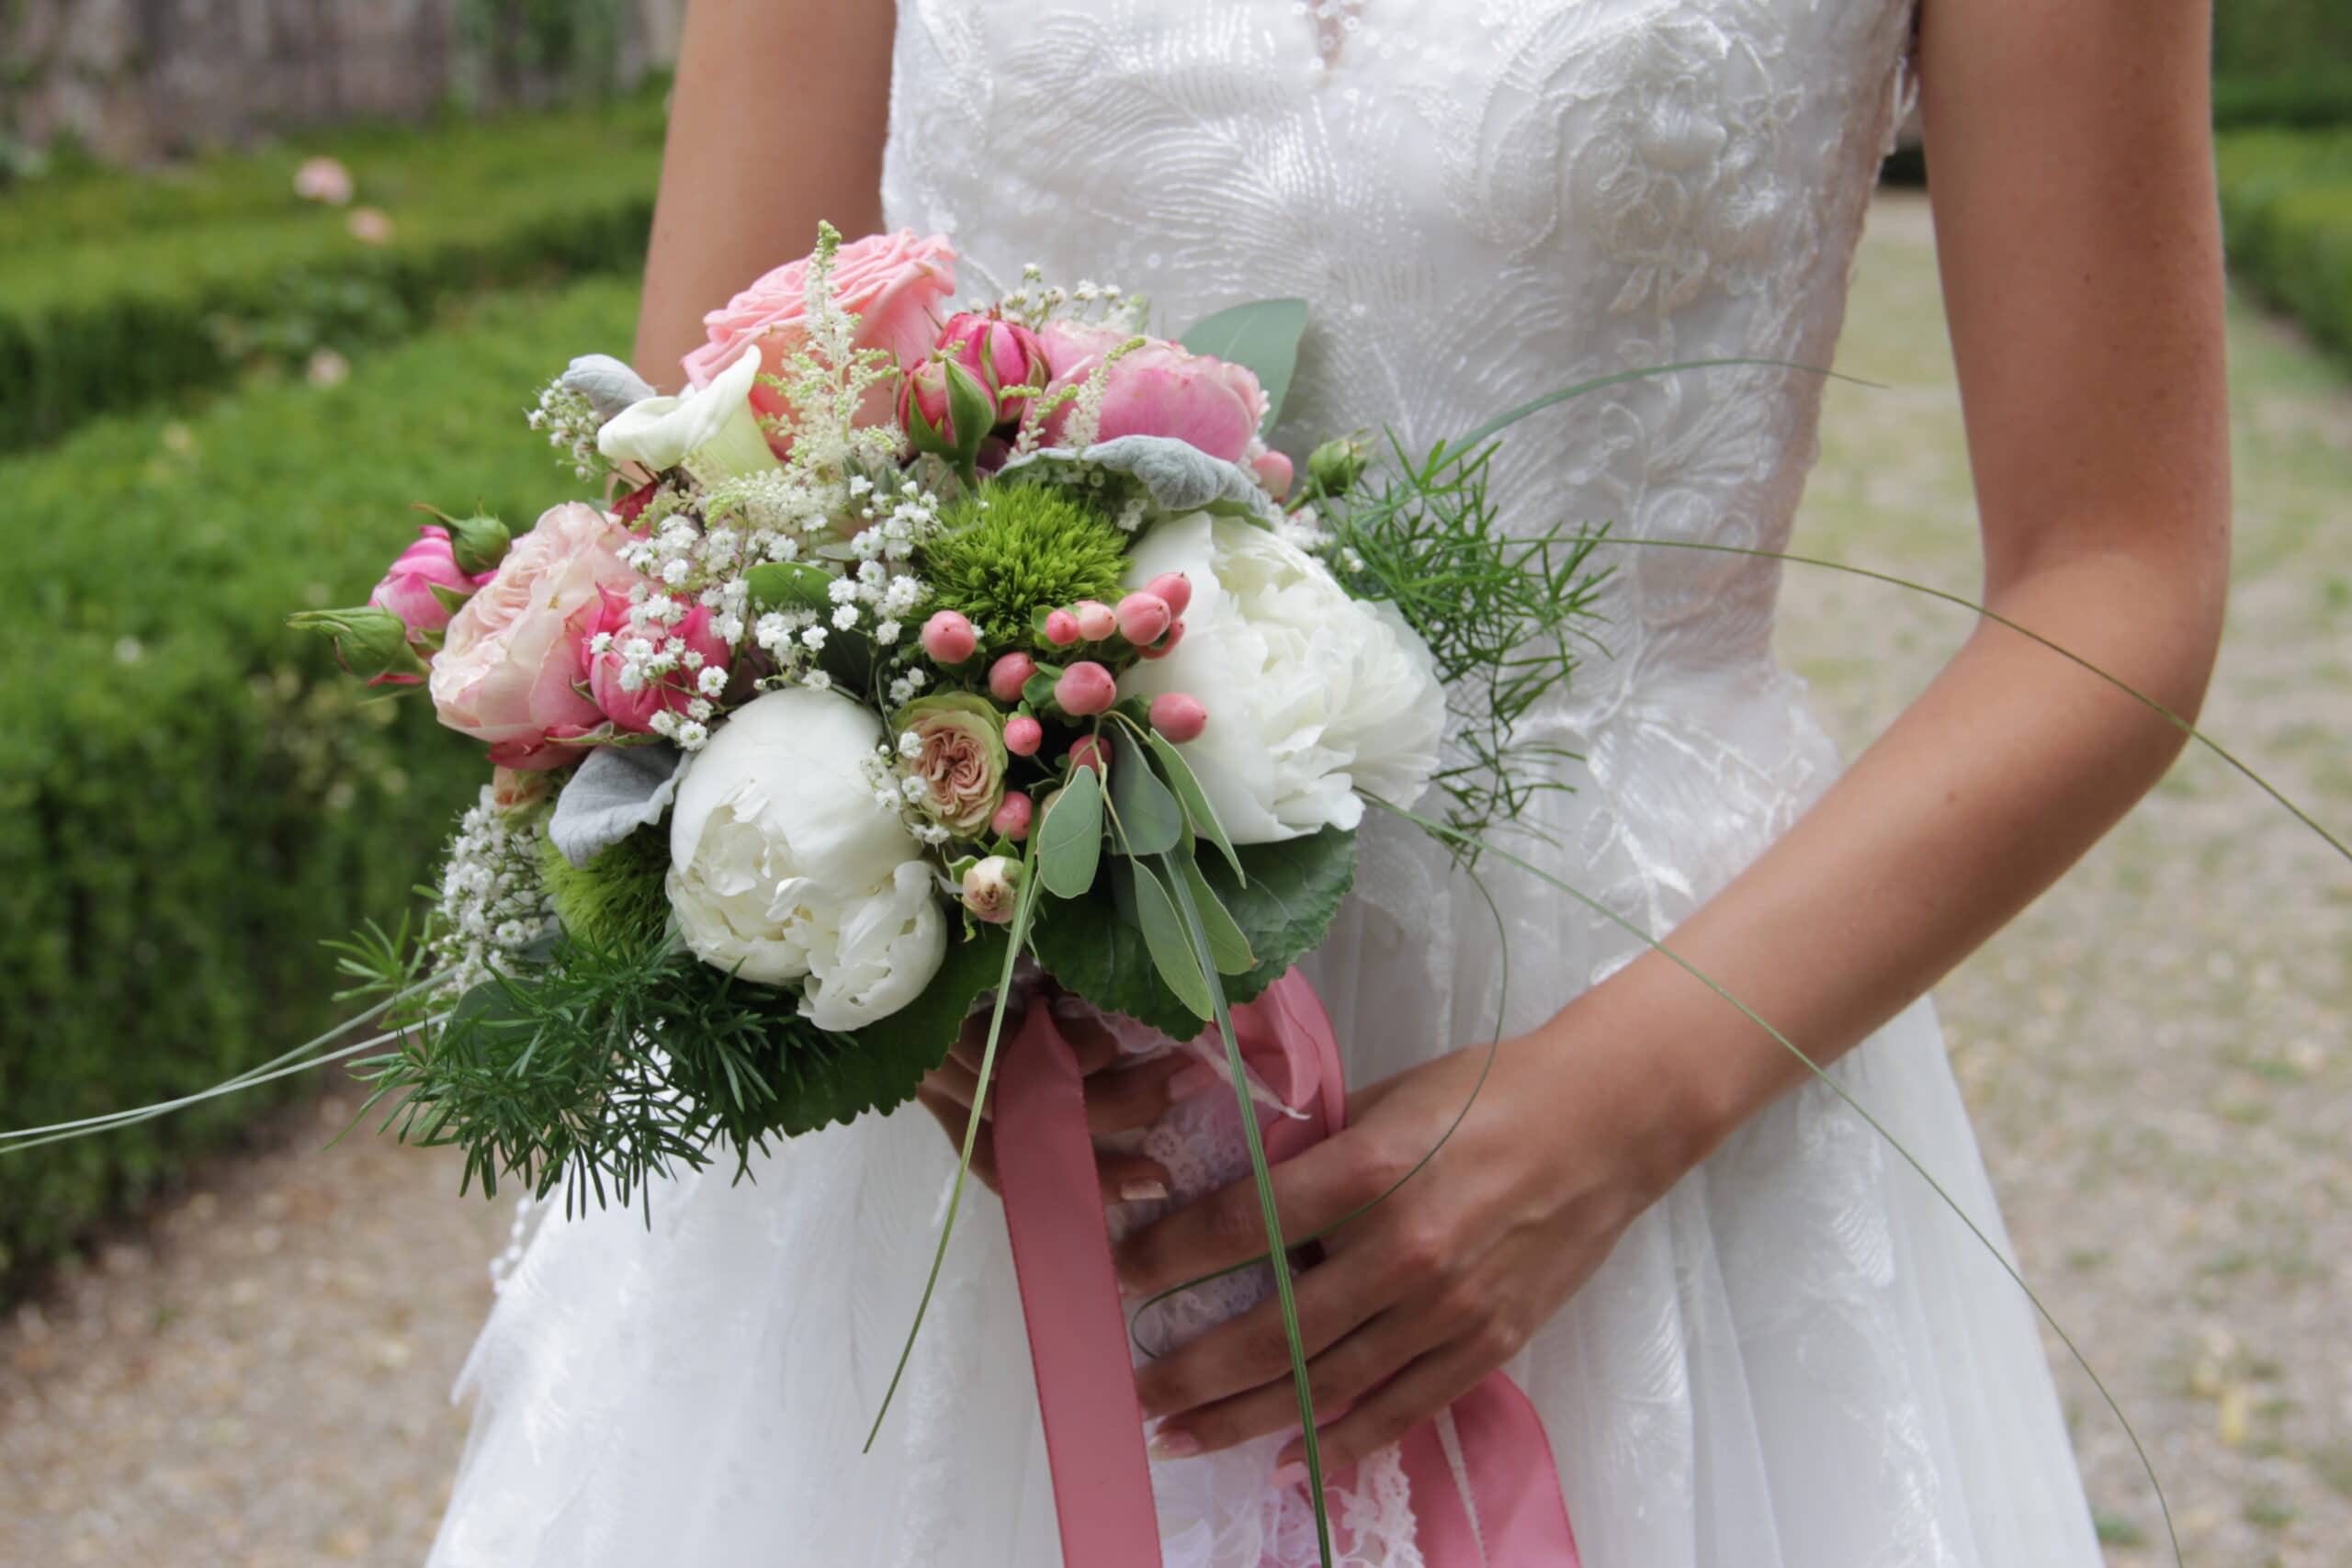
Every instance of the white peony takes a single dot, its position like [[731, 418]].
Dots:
[[783, 869], [712, 429], [1311, 695]]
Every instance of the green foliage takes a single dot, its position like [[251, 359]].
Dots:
[[1502, 614], [618, 896], [191, 795], [119, 289], [2287, 207], [1029, 547]]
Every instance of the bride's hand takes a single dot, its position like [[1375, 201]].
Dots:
[[1118, 1100], [1421, 1298]]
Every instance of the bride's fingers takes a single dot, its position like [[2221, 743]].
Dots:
[[1335, 1298], [1415, 1394], [1321, 1186], [961, 1084], [1346, 1373], [952, 1116], [1130, 1178], [1132, 1097]]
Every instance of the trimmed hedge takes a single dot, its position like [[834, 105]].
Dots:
[[117, 290], [191, 797], [2287, 207]]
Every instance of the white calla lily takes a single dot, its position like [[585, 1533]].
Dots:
[[711, 432]]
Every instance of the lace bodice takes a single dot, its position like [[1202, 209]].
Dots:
[[1482, 201]]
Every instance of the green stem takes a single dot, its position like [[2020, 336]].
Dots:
[[2167, 715], [1440, 831], [1277, 1253], [1016, 934]]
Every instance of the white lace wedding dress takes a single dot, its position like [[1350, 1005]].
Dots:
[[1798, 1360]]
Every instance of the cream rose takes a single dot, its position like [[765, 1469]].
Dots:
[[783, 870], [1314, 696]]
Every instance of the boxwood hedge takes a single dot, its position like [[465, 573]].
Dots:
[[191, 797], [2287, 207]]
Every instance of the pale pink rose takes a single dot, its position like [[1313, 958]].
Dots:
[[510, 791], [407, 588], [1157, 389], [634, 711], [898, 285], [960, 759], [510, 672]]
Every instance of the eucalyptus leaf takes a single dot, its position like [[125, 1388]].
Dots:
[[1193, 798], [614, 791], [1229, 946], [1069, 840], [1261, 337], [1149, 821], [1169, 942]]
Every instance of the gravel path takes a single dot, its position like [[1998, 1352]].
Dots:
[[258, 1376]]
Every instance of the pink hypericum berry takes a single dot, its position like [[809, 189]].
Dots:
[[1166, 645], [1096, 620], [1009, 674], [1144, 618], [1023, 736], [1174, 587], [1088, 752], [1085, 689], [1061, 628], [1012, 818], [1178, 716], [948, 636]]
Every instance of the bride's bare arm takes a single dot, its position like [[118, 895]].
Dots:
[[777, 121], [2071, 181]]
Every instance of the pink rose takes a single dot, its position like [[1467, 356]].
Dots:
[[960, 759], [897, 284], [407, 588], [1157, 389], [634, 711], [510, 672]]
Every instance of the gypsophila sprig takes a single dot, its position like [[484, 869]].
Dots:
[[492, 906]]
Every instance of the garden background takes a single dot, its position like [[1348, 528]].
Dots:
[[217, 398]]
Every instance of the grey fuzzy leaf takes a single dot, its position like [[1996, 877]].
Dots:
[[607, 384], [615, 791], [1177, 477]]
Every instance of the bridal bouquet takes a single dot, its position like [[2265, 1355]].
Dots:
[[913, 640]]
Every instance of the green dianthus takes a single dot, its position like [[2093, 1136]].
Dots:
[[1033, 547], [617, 899]]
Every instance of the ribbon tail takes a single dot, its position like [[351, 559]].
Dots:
[[1486, 1490]]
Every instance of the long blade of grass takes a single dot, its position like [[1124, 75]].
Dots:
[[1440, 831], [1511, 416], [1024, 908], [2167, 715], [1276, 1252]]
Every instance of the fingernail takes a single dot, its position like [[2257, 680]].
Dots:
[[1190, 1080], [1285, 1477], [1145, 1192], [1176, 1444]]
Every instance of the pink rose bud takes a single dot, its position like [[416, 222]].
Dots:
[[1061, 628], [1174, 587], [1012, 818], [1178, 716], [1166, 645], [1085, 689], [408, 588], [1023, 735], [1000, 353], [1009, 674], [925, 393], [1144, 618], [948, 636], [1088, 752], [1096, 620], [512, 791]]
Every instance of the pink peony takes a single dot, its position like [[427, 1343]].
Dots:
[[511, 670], [1158, 389], [634, 711], [407, 588], [897, 284]]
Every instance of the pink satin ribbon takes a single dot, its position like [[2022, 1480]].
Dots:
[[1486, 1493]]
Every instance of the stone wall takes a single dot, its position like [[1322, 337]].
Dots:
[[142, 79]]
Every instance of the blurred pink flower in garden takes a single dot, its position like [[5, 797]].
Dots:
[[323, 179], [369, 226]]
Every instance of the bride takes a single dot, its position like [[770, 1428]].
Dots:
[[1754, 1337]]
